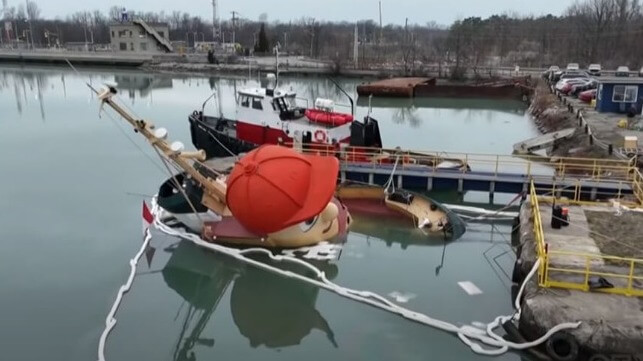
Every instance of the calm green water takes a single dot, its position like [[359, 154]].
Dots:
[[71, 197]]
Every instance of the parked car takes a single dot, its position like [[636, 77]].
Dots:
[[580, 87], [571, 74], [547, 74], [565, 85], [587, 95], [555, 76], [594, 69], [573, 66], [622, 71]]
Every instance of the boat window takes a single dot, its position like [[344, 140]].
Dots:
[[279, 104], [245, 102], [256, 103], [291, 102]]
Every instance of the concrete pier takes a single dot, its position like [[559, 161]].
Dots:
[[612, 324], [77, 58]]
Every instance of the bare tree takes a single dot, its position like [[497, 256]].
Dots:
[[20, 14], [33, 11], [114, 13]]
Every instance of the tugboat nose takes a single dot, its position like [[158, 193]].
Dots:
[[329, 213]]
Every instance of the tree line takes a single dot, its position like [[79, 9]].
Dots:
[[589, 31]]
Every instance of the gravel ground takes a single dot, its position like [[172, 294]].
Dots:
[[625, 232]]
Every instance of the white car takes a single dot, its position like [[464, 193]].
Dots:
[[594, 69], [622, 71], [573, 66]]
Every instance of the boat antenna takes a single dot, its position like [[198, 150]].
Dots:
[[276, 65], [345, 93]]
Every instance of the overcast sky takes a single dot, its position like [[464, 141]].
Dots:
[[393, 11]]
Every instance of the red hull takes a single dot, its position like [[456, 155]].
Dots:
[[259, 135], [371, 207]]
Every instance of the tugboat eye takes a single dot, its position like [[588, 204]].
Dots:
[[308, 224]]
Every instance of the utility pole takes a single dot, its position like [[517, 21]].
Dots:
[[356, 47], [215, 36], [312, 36], [380, 40], [30, 28], [285, 41], [234, 26]]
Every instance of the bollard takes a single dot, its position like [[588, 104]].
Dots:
[[586, 128], [610, 149], [591, 140]]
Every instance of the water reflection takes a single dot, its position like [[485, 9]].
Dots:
[[144, 83], [501, 105], [488, 125], [267, 309]]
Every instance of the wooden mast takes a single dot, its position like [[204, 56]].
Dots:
[[214, 192]]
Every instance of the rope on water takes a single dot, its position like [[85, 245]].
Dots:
[[473, 337], [110, 320]]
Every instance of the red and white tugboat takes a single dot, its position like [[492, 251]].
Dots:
[[271, 116]]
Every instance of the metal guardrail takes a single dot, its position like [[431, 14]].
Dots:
[[625, 273], [608, 170]]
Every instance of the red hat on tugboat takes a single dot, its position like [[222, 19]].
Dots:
[[273, 188]]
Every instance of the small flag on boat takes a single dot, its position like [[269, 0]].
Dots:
[[148, 218]]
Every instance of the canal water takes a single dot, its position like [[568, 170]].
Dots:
[[71, 193]]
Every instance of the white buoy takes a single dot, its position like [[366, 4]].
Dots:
[[160, 133], [177, 146]]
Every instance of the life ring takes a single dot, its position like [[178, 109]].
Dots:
[[320, 136], [562, 346]]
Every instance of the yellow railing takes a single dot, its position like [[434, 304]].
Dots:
[[637, 184], [527, 165], [625, 274], [539, 234], [579, 194], [621, 174]]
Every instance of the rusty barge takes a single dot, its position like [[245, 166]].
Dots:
[[515, 88]]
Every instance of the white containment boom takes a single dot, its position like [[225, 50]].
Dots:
[[543, 141]]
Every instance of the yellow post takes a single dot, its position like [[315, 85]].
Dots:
[[594, 169], [528, 168], [586, 284], [630, 279]]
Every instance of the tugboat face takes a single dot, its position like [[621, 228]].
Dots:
[[322, 227]]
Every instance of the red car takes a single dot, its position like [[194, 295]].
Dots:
[[567, 87], [587, 95]]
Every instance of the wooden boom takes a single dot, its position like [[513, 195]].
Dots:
[[214, 192]]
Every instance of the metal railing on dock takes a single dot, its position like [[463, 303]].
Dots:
[[588, 178], [625, 274], [527, 165]]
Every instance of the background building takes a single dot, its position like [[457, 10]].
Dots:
[[139, 36]]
